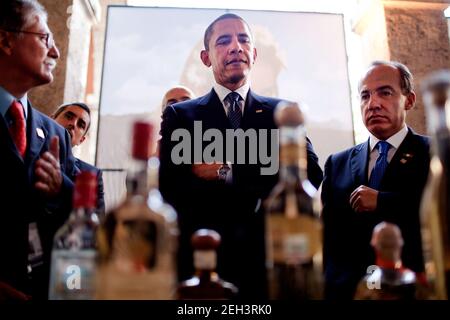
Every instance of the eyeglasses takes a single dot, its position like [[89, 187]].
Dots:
[[49, 41]]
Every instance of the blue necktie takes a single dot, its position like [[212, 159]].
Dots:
[[380, 166], [234, 110]]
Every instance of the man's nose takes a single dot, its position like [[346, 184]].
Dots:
[[374, 101], [235, 46], [54, 52]]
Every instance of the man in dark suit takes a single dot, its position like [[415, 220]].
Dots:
[[381, 179], [76, 119], [35, 155], [217, 195]]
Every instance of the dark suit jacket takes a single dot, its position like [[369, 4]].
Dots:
[[84, 166], [234, 210], [347, 234], [21, 203]]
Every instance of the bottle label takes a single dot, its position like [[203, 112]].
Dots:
[[205, 259], [72, 275], [293, 241]]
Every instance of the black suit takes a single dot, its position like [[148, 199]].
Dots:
[[84, 166], [234, 210], [347, 234], [21, 203]]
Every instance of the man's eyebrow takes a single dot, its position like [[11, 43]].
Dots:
[[222, 37], [70, 113], [378, 88]]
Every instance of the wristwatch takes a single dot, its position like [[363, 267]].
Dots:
[[223, 171]]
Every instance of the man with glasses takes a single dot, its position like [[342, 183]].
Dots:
[[379, 180], [35, 153]]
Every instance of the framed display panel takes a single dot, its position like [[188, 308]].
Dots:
[[301, 57]]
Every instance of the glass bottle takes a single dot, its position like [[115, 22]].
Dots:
[[387, 279], [206, 283], [435, 207], [73, 261], [293, 225], [138, 239]]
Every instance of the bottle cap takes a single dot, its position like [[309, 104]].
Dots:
[[288, 114], [205, 239], [85, 191], [142, 140]]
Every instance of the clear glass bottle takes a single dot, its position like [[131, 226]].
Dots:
[[73, 261], [293, 225], [138, 239], [435, 207], [206, 283]]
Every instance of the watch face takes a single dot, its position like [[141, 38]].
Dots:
[[223, 170]]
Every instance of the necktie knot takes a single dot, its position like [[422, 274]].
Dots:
[[383, 147], [234, 110], [16, 111], [233, 98]]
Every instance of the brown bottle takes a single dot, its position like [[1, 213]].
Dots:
[[293, 226], [388, 279], [206, 283], [435, 207]]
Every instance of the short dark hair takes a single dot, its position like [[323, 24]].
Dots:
[[209, 30], [15, 14], [78, 104], [406, 77]]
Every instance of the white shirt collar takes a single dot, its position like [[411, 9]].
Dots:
[[394, 140], [222, 92]]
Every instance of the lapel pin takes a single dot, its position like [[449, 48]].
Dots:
[[259, 111], [40, 133], [406, 157]]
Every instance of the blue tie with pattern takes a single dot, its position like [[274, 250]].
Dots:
[[234, 110], [380, 166]]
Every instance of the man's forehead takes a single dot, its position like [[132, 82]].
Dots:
[[381, 76], [77, 110], [230, 25]]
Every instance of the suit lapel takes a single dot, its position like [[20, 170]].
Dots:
[[212, 112], [8, 141], [255, 110], [403, 155], [36, 135], [358, 162]]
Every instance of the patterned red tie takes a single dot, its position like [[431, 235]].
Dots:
[[17, 129]]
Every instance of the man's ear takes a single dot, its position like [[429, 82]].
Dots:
[[5, 42], [204, 55], [410, 100], [255, 54]]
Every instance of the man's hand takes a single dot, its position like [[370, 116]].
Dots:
[[364, 199], [206, 171], [48, 170]]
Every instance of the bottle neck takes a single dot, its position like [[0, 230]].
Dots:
[[293, 160], [137, 178], [205, 262], [153, 173]]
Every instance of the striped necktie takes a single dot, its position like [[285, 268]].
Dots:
[[234, 110]]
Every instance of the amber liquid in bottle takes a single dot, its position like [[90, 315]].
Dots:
[[435, 207], [206, 283], [293, 226], [138, 239]]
